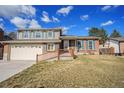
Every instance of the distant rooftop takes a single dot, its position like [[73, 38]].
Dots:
[[78, 37], [118, 39]]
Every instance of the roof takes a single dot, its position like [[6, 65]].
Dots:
[[42, 29], [79, 37], [118, 39], [33, 41]]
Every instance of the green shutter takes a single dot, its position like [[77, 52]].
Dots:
[[93, 44], [82, 44]]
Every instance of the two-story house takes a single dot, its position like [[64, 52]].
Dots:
[[31, 42]]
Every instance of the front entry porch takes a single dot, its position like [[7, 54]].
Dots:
[[76, 44], [81, 46]]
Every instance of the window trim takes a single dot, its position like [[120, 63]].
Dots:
[[93, 44], [90, 41], [38, 33], [53, 47], [26, 33], [82, 44], [52, 34]]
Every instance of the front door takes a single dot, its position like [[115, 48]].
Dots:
[[78, 45]]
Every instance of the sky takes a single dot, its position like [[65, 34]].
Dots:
[[74, 19]]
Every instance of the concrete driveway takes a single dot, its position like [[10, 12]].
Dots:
[[10, 68]]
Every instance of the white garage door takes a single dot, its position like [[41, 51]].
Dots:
[[25, 52]]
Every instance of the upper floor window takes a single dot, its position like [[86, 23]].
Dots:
[[44, 35], [38, 35], [20, 35], [33, 34], [50, 34], [26, 34]]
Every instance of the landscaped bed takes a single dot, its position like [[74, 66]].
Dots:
[[85, 71]]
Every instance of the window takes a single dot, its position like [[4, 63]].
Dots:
[[50, 34], [31, 34], [53, 34], [20, 35], [38, 35], [41, 34], [80, 44], [90, 44], [50, 47], [44, 35], [26, 34]]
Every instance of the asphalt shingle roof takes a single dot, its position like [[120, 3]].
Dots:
[[118, 39]]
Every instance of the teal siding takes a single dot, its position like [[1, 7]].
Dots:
[[93, 44]]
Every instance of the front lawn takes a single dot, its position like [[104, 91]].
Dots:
[[85, 71]]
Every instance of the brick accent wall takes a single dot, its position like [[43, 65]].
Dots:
[[97, 46], [96, 51], [85, 44], [6, 52], [121, 47]]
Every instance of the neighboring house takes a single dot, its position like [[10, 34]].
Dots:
[[31, 42], [117, 44]]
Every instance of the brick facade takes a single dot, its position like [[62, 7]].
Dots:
[[6, 52], [89, 51], [121, 47]]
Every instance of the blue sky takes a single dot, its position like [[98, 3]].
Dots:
[[75, 20]]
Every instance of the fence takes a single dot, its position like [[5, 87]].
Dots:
[[57, 55], [109, 51]]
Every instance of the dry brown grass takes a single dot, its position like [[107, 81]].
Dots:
[[85, 71]]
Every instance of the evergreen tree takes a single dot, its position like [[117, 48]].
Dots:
[[102, 33], [115, 33]]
